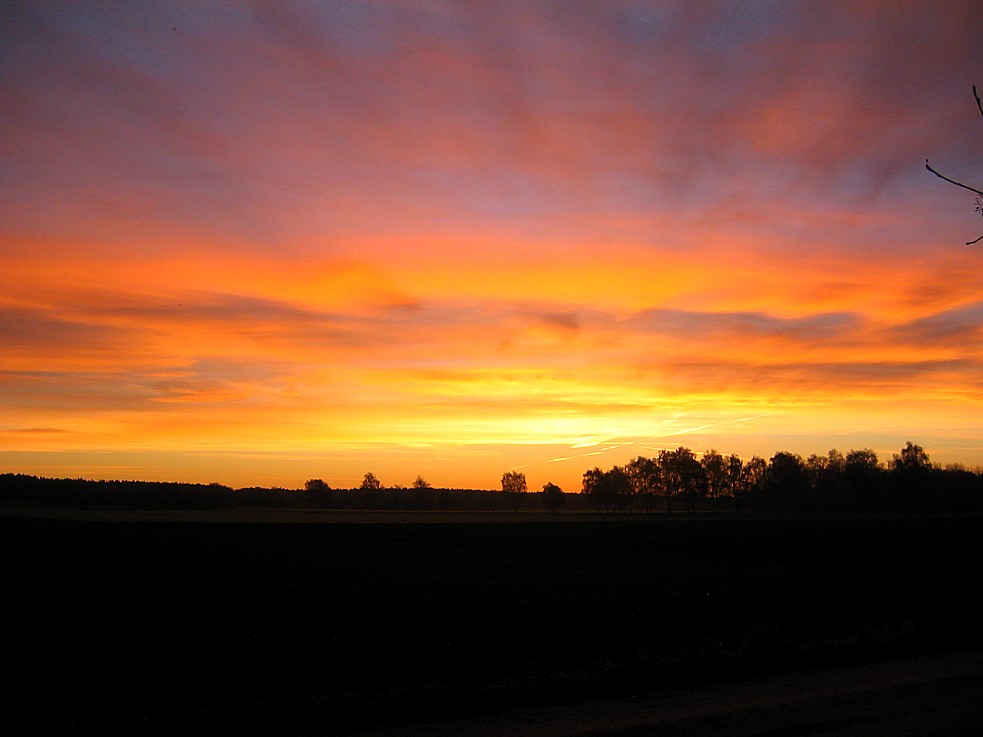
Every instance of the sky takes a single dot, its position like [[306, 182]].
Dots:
[[255, 243]]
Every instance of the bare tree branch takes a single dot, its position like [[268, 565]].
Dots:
[[979, 193], [952, 181]]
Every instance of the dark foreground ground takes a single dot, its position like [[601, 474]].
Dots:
[[138, 626], [912, 696]]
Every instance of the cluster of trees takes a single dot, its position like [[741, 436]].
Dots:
[[369, 483], [514, 486], [786, 484]]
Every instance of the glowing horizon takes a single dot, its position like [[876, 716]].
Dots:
[[261, 243]]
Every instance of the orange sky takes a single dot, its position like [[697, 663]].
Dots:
[[256, 243]]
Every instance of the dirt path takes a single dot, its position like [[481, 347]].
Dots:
[[928, 695]]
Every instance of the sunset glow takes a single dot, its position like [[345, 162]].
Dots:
[[257, 243]]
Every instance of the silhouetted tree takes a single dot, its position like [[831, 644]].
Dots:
[[618, 490], [715, 472], [513, 487], [421, 483], [610, 489], [669, 473], [734, 468], [785, 484], [911, 478], [645, 478], [827, 482], [861, 473], [750, 483], [979, 193], [683, 476], [818, 475], [370, 483], [911, 458], [606, 488], [835, 461], [553, 497], [317, 494], [862, 461], [592, 486]]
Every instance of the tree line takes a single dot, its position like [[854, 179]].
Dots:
[[674, 481], [787, 484], [315, 495]]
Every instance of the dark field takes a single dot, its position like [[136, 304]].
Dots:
[[148, 626]]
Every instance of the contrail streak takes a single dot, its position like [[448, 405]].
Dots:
[[614, 445]]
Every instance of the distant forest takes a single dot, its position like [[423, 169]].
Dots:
[[675, 481]]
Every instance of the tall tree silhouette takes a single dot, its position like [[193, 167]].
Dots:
[[683, 476], [715, 471], [735, 470], [750, 482], [552, 496], [911, 458], [606, 488], [646, 479], [912, 469], [513, 486], [592, 486], [619, 488], [786, 483]]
